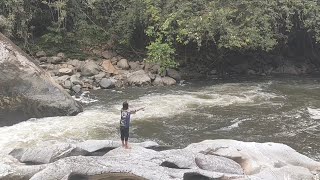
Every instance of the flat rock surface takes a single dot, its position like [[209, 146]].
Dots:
[[210, 159]]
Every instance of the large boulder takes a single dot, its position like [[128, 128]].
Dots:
[[90, 68], [255, 157], [123, 64], [26, 90], [139, 78], [106, 83], [211, 159], [174, 74], [169, 81]]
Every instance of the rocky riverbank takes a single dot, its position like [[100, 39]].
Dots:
[[26, 91], [108, 71], [210, 159]]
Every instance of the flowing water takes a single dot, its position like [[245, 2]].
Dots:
[[278, 110]]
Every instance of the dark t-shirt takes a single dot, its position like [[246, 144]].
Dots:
[[125, 118]]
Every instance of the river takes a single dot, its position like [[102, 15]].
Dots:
[[283, 110]]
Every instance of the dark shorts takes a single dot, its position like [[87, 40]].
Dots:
[[124, 133]]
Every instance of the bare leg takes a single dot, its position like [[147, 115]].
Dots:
[[123, 145], [126, 145]]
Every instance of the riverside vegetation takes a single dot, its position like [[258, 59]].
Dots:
[[211, 37]]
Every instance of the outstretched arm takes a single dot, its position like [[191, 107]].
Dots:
[[136, 110]]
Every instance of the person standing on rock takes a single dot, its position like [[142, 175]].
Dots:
[[125, 123]]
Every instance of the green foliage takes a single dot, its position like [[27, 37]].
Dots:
[[161, 53], [222, 25]]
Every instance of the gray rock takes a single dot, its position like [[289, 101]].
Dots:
[[152, 76], [61, 55], [45, 154], [135, 66], [155, 69], [106, 83], [218, 164], [139, 78], [76, 64], [194, 162], [99, 76], [168, 81], [255, 157], [90, 68], [75, 79], [65, 71], [54, 60], [76, 88], [158, 81], [43, 59], [67, 84], [174, 74], [41, 54], [108, 54], [36, 94], [60, 80], [123, 64]]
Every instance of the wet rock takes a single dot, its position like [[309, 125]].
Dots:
[[106, 83], [90, 68], [139, 78], [173, 74], [108, 67], [168, 81], [76, 89], [123, 64], [36, 94], [41, 54]]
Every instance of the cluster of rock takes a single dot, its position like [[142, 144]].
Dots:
[[210, 159], [246, 64], [111, 70], [26, 90]]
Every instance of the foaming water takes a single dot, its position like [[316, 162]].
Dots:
[[314, 113], [179, 115]]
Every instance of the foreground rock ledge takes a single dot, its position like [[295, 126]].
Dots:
[[210, 159], [27, 91]]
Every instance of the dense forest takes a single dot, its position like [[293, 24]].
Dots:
[[168, 32]]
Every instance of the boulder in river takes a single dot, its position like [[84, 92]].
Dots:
[[90, 68], [26, 90], [139, 78], [174, 74]]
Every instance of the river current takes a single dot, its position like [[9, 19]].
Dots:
[[284, 110]]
